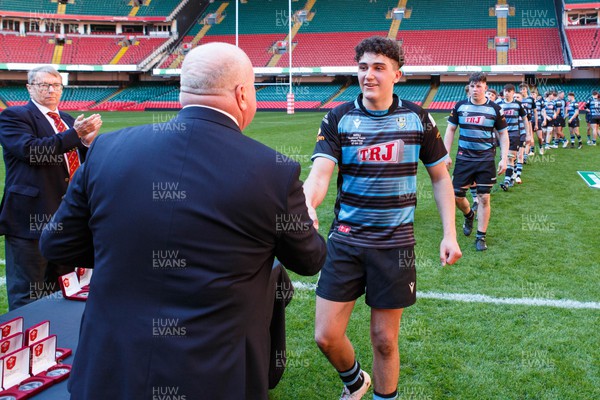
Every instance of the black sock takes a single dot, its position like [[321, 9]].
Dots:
[[480, 235], [392, 395], [470, 215], [508, 174], [353, 378]]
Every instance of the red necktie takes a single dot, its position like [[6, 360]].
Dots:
[[72, 157]]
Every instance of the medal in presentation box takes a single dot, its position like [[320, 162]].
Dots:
[[43, 361], [71, 289], [40, 332], [85, 276], [11, 343], [11, 327], [31, 370]]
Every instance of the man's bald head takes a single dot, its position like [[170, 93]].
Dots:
[[213, 69], [219, 75]]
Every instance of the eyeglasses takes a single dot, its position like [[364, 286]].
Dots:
[[44, 87]]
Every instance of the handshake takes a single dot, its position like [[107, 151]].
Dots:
[[88, 128]]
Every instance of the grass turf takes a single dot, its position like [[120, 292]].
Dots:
[[542, 243]]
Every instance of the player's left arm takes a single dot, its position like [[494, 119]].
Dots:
[[444, 199]]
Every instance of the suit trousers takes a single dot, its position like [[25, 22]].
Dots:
[[29, 276]]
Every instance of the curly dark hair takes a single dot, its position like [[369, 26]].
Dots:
[[478, 77], [381, 45]]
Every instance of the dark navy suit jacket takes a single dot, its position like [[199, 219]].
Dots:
[[36, 171], [181, 222]]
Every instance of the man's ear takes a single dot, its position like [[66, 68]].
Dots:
[[241, 96], [398, 76]]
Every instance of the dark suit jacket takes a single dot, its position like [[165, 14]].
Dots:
[[36, 171], [181, 221]]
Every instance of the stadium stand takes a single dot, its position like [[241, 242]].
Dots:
[[581, 87], [73, 98], [451, 92], [584, 42], [83, 98], [256, 46], [26, 49], [14, 95], [140, 49], [334, 49], [328, 39], [78, 49], [152, 8], [306, 96], [133, 98], [35, 6], [158, 8], [90, 50]]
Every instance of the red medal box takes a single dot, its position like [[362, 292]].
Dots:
[[11, 343], [11, 327], [42, 331], [43, 361], [85, 276], [37, 332], [37, 359], [71, 289]]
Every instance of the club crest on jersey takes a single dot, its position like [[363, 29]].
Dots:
[[356, 122], [388, 152], [401, 121]]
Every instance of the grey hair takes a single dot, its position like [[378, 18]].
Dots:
[[44, 69]]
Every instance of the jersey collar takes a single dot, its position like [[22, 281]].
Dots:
[[395, 104]]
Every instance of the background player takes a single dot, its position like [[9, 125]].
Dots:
[[528, 103], [573, 119], [512, 112], [477, 118], [593, 107]]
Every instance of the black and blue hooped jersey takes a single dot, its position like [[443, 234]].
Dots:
[[528, 104], [377, 156], [593, 105], [550, 108], [476, 140], [572, 106], [560, 107], [539, 105], [513, 112]]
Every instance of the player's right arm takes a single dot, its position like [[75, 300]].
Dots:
[[449, 135], [316, 185], [448, 140], [327, 153]]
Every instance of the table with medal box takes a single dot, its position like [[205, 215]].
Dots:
[[37, 344]]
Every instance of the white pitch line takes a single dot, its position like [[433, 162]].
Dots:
[[481, 298]]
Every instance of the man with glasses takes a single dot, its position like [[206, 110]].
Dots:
[[42, 148]]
